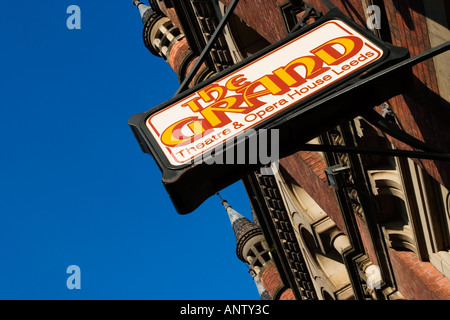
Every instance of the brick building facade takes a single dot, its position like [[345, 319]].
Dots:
[[383, 234]]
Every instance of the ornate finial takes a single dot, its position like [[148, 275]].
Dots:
[[137, 3], [224, 202], [232, 214]]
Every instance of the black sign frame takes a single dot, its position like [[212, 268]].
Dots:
[[189, 185]]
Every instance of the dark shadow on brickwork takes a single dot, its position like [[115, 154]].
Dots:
[[428, 109], [353, 13], [403, 8], [440, 14]]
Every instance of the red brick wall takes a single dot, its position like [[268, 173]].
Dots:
[[418, 280], [177, 53], [352, 9], [271, 280], [287, 295], [264, 16], [366, 239]]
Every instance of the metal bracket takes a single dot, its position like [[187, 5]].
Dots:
[[310, 11], [338, 176], [207, 48], [384, 125], [429, 152], [378, 151]]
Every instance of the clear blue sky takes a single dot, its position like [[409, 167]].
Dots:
[[75, 188]]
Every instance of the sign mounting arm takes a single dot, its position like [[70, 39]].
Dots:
[[207, 48]]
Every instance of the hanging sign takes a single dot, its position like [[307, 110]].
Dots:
[[274, 89]]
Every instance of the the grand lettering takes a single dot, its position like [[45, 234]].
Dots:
[[213, 104]]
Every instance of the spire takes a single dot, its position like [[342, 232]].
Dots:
[[243, 228], [144, 10], [232, 214]]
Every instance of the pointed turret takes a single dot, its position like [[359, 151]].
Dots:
[[165, 39], [251, 246], [244, 229]]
